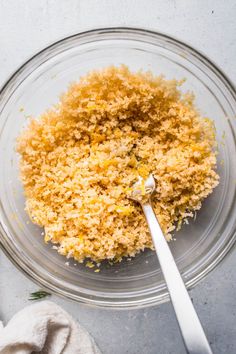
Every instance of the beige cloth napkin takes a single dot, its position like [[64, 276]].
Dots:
[[45, 328]]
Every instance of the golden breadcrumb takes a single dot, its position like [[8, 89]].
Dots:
[[80, 158]]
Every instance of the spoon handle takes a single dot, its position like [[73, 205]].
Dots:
[[193, 334]]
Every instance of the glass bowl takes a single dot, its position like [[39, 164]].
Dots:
[[36, 85]]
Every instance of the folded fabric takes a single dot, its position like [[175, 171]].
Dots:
[[45, 328]]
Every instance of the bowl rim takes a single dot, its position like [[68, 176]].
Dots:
[[142, 30], [150, 300]]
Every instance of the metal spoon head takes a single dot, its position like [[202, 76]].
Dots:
[[143, 189]]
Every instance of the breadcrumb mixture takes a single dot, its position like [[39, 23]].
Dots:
[[80, 158]]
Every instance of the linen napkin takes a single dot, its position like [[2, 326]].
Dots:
[[45, 328]]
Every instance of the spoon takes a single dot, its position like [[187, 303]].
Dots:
[[192, 332]]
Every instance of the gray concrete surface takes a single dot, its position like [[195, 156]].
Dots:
[[27, 26]]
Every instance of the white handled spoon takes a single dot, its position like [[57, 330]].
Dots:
[[193, 334]]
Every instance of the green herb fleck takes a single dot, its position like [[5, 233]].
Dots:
[[38, 295]]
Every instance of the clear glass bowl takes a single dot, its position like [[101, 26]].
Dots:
[[199, 247]]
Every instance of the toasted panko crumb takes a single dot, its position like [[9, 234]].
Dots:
[[80, 158], [90, 265]]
